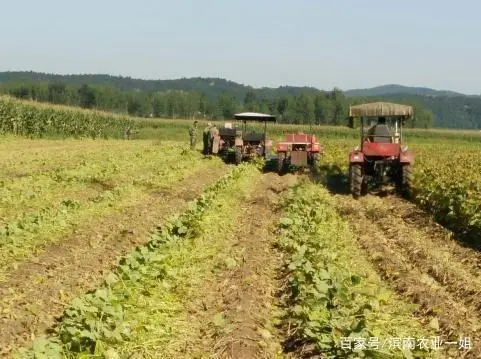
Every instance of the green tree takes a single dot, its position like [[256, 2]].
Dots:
[[87, 96], [203, 103], [339, 105], [192, 103], [422, 118], [173, 103], [250, 101], [322, 109], [304, 109], [227, 105], [138, 105], [57, 93], [282, 106], [159, 105], [22, 92], [272, 106]]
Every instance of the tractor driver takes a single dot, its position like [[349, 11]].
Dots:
[[380, 132]]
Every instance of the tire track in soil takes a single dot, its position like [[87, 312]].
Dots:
[[414, 217], [440, 256], [423, 263], [38, 291], [245, 294]]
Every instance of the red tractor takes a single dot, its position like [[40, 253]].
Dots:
[[381, 158], [298, 149]]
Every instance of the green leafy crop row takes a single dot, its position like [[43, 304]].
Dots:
[[333, 293], [448, 184], [98, 317]]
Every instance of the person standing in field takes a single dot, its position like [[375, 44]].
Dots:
[[205, 137], [193, 135], [212, 134], [128, 132]]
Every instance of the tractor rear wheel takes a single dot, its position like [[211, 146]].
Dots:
[[238, 155], [356, 180], [281, 158], [407, 180]]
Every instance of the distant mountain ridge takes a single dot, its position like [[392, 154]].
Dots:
[[207, 84], [393, 89]]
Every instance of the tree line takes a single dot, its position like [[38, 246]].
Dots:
[[300, 107]]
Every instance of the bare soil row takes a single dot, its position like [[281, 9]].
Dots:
[[423, 262]]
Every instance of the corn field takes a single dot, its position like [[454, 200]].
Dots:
[[28, 119]]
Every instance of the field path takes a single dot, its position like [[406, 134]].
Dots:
[[423, 262], [38, 291], [241, 297]]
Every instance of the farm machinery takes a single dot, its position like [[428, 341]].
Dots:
[[381, 159], [239, 145], [300, 150]]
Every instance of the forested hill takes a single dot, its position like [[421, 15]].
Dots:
[[212, 87], [220, 98]]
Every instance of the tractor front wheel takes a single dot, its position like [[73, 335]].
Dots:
[[281, 158], [407, 181], [356, 180], [238, 155]]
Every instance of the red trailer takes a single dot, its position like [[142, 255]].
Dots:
[[298, 149]]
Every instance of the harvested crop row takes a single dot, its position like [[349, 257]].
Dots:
[[442, 238], [110, 168], [57, 203], [238, 314], [140, 307], [21, 158], [431, 253], [396, 251], [36, 293]]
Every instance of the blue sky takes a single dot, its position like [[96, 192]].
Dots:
[[343, 43]]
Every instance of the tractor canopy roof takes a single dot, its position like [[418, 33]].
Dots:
[[381, 109], [253, 116]]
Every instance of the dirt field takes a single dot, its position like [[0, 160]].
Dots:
[[244, 294], [422, 261], [142, 250], [39, 290]]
